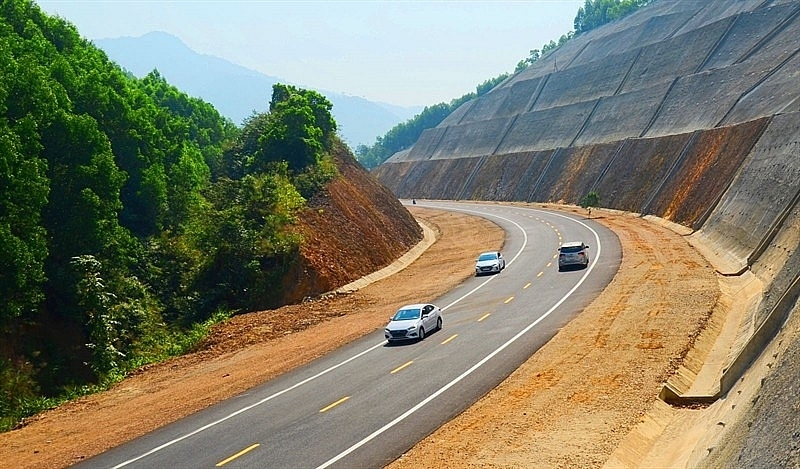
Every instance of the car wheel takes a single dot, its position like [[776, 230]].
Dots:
[[421, 333], [439, 324]]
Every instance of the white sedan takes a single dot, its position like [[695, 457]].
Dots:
[[413, 322], [491, 262]]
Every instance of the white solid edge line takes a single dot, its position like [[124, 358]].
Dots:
[[474, 367], [309, 379]]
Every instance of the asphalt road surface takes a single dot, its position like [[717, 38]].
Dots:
[[367, 403]]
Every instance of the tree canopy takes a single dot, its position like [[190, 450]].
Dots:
[[132, 214]]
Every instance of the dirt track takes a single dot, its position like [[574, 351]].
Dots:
[[569, 406]]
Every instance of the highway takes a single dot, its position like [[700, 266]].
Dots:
[[369, 402]]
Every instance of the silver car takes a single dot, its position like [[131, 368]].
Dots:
[[490, 262], [572, 253], [413, 322]]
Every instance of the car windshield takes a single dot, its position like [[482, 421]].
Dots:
[[489, 256], [569, 249], [406, 314]]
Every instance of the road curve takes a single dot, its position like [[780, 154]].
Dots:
[[368, 402]]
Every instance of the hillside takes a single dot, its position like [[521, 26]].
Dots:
[[235, 91], [686, 111], [134, 216], [353, 228]]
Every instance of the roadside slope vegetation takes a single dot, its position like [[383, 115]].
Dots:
[[133, 217]]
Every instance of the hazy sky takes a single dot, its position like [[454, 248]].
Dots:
[[410, 53]]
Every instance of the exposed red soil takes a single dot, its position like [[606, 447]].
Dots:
[[568, 406]]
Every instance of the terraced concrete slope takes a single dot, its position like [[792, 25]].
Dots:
[[685, 110]]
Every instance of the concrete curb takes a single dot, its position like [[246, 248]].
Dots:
[[429, 237]]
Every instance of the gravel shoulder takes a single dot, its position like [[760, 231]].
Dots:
[[570, 405]]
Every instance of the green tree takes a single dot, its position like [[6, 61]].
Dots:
[[298, 129], [246, 237], [592, 199], [595, 13], [23, 194]]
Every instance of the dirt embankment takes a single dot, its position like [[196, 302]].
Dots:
[[354, 227], [568, 406]]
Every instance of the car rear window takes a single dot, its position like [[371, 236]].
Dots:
[[571, 249]]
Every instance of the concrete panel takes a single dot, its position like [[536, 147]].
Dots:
[[521, 94], [761, 192], [528, 181], [424, 147], [638, 170], [783, 43], [443, 179], [399, 156], [471, 139], [747, 31], [573, 172], [777, 93], [503, 177], [455, 117], [779, 265], [545, 130], [392, 175], [678, 56], [657, 20], [571, 85], [651, 31], [709, 164], [714, 11], [558, 58], [622, 116], [487, 106], [450, 178], [702, 100]]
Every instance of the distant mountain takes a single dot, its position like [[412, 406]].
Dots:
[[235, 91]]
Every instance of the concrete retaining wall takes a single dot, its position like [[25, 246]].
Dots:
[[636, 173], [506, 177], [709, 163], [761, 193], [702, 100], [747, 33], [675, 57], [570, 86], [546, 129], [472, 139], [426, 144], [769, 95], [622, 116], [574, 172]]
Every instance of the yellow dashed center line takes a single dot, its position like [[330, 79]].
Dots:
[[240, 453], [508, 300], [526, 285], [484, 317], [449, 339], [402, 366], [540, 274], [325, 409]]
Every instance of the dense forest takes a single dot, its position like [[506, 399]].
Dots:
[[593, 14], [132, 216]]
